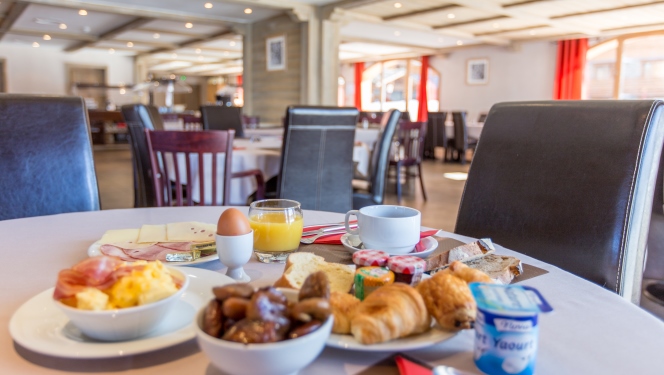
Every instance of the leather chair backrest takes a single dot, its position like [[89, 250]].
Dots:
[[317, 157], [46, 151], [436, 133], [570, 183], [460, 131], [655, 261], [380, 156], [218, 117], [147, 115]]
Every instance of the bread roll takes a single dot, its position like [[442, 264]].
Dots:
[[301, 265], [449, 300], [390, 312], [343, 307]]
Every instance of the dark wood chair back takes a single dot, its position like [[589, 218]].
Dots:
[[436, 134], [411, 137], [184, 151], [460, 131], [219, 117]]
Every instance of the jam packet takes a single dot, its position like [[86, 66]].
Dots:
[[506, 328]]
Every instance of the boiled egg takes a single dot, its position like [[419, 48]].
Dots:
[[232, 222]]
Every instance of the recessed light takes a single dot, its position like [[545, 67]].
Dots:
[[123, 91], [232, 43], [397, 5], [248, 11], [174, 55], [459, 43], [62, 26], [35, 44], [208, 5], [397, 33], [451, 15], [496, 25], [172, 76], [130, 44], [82, 12], [111, 51], [47, 37], [198, 50], [156, 35], [188, 25]]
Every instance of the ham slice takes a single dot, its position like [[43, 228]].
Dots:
[[99, 272], [117, 252], [154, 252]]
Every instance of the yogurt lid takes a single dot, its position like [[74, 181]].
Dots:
[[509, 298]]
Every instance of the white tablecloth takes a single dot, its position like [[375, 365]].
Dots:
[[474, 129], [591, 331]]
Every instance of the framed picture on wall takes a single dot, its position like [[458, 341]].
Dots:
[[477, 71], [276, 53]]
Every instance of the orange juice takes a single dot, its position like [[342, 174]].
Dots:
[[276, 231]]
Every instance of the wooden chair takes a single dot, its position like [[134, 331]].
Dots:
[[185, 150], [218, 117], [436, 135], [410, 153]]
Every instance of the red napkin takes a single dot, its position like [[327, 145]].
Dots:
[[335, 239], [407, 367]]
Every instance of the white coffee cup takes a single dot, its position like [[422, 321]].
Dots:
[[393, 229]]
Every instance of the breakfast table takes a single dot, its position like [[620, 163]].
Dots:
[[590, 331]]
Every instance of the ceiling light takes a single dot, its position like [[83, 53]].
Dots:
[[111, 51], [208, 5], [123, 91], [198, 50], [130, 44], [459, 43], [82, 12], [451, 15], [174, 55], [188, 25], [35, 44], [232, 43], [47, 37], [397, 33], [62, 26], [397, 5], [172, 76], [248, 11], [156, 35], [496, 25]]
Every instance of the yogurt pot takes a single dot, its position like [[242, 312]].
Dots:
[[506, 328]]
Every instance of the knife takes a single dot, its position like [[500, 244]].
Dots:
[[327, 229]]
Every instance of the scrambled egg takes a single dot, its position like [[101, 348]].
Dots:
[[151, 284]]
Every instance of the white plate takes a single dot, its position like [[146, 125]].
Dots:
[[353, 243], [95, 250], [41, 327], [432, 336]]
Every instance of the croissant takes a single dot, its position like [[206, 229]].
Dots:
[[390, 312], [449, 300], [343, 307], [469, 275]]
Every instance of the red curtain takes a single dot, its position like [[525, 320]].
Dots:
[[239, 80], [569, 68], [423, 110], [359, 69]]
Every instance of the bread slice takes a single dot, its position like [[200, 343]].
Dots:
[[464, 253], [300, 265], [502, 269]]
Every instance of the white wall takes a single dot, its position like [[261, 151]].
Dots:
[[43, 70], [523, 73]]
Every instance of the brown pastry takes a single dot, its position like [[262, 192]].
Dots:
[[467, 274], [449, 300], [390, 312], [343, 307]]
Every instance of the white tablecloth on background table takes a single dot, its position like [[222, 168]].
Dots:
[[474, 129], [591, 331]]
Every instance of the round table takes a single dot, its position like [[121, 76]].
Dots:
[[591, 331]]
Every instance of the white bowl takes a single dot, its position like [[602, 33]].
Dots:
[[124, 324], [279, 358]]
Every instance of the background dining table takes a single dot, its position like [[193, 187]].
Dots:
[[591, 331]]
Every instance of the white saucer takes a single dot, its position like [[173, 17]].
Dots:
[[423, 340], [40, 326], [353, 243]]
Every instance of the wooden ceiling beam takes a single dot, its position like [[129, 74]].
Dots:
[[420, 12], [110, 34], [522, 3], [464, 23], [506, 31], [13, 13], [607, 10], [54, 35], [192, 42]]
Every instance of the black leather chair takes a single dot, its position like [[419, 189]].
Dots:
[[317, 157], [654, 270], [46, 151], [436, 135], [218, 117], [140, 117], [570, 183], [380, 161], [461, 141]]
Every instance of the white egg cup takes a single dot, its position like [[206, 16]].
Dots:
[[234, 252]]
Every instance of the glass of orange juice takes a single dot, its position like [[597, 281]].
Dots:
[[277, 225]]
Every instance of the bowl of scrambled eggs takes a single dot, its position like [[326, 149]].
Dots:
[[135, 304]]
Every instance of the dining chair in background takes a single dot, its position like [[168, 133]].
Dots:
[[436, 135], [185, 152], [46, 151], [409, 153], [481, 118], [461, 142], [372, 192], [653, 275], [570, 183], [317, 157], [219, 117], [138, 118]]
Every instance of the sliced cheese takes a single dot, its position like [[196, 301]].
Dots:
[[119, 235], [190, 231], [152, 234]]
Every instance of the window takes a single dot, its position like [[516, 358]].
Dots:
[[394, 84], [628, 67]]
